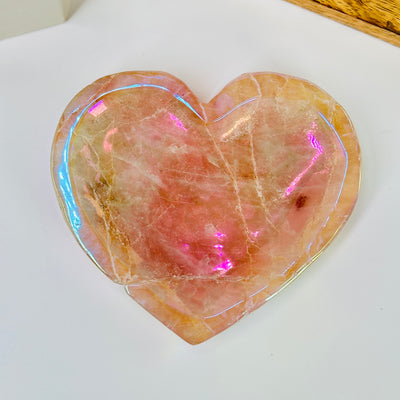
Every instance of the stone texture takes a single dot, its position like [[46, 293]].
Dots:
[[204, 211]]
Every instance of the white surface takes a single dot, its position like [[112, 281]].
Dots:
[[67, 332]]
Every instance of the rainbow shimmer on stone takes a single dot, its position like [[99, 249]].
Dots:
[[203, 211]]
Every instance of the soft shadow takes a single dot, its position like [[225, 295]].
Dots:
[[71, 7]]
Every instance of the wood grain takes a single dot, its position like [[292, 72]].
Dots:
[[383, 13], [379, 18]]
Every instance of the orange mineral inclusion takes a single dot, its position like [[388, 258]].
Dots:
[[203, 211]]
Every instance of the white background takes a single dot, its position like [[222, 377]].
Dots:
[[67, 332]]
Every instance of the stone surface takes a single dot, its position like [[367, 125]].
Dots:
[[204, 211]]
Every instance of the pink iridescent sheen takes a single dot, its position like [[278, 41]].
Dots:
[[177, 121], [220, 235], [98, 108], [225, 266], [316, 145]]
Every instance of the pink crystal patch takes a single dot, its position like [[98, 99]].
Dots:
[[203, 211]]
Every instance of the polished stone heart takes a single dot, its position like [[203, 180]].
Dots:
[[203, 211]]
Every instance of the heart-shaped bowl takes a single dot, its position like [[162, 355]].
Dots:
[[203, 211]]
